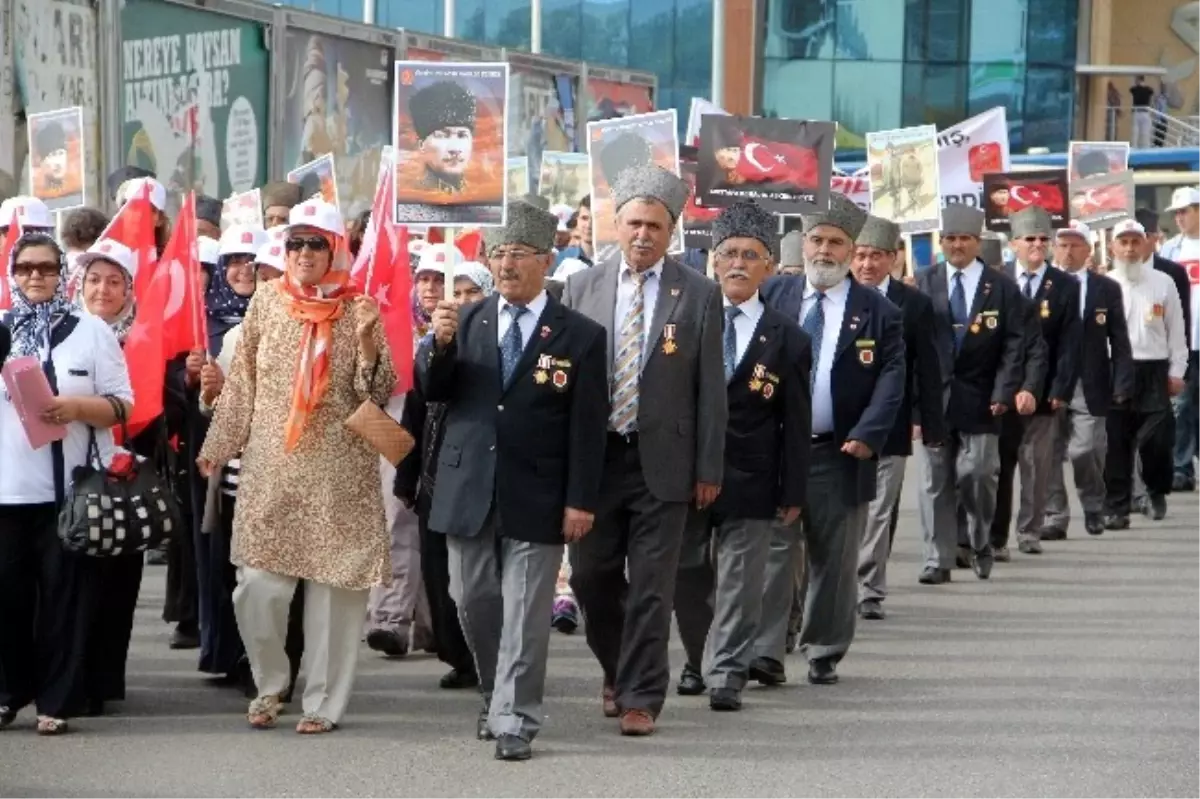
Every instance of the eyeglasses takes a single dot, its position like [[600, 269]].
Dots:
[[42, 268], [314, 243], [1036, 239], [746, 256], [516, 255]]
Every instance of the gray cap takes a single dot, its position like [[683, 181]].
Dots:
[[842, 214], [1030, 221], [651, 183], [527, 224], [791, 249], [879, 233], [208, 209], [991, 250], [280, 193], [746, 220], [961, 220]]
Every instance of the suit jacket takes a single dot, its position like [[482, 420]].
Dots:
[[531, 449], [770, 423], [868, 377], [682, 411], [990, 366], [1105, 359], [923, 400], [1055, 309], [1178, 273]]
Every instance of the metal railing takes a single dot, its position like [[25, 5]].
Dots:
[[1164, 130]]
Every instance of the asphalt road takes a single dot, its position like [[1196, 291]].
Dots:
[[1070, 674]]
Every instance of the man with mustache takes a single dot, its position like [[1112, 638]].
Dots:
[[1158, 341], [666, 439], [980, 321], [443, 117], [857, 383]]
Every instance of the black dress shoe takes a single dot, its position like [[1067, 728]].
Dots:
[[822, 671], [932, 576], [690, 683], [184, 637], [482, 731], [457, 678], [1181, 482], [1117, 521], [982, 565], [1157, 510], [871, 609], [962, 558], [1093, 523], [389, 642], [725, 699], [766, 671], [513, 747], [1052, 534]]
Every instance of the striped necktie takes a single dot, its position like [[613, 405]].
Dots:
[[628, 367], [814, 326]]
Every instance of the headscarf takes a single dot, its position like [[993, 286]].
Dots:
[[318, 307], [225, 307], [421, 319], [478, 274], [124, 321], [31, 324]]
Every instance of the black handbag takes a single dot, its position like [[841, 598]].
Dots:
[[109, 513]]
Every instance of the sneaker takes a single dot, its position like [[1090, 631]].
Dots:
[[1001, 555], [565, 617]]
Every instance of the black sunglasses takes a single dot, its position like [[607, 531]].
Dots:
[[314, 243]]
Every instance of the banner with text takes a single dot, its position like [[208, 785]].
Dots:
[[968, 151]]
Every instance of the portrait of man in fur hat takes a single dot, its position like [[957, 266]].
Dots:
[[56, 158], [443, 116], [52, 149]]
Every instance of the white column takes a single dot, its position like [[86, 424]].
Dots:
[[717, 92], [368, 12], [535, 26], [448, 19]]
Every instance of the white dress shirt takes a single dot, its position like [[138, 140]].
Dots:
[[822, 391], [971, 275], [1154, 336], [1082, 277], [745, 323], [883, 287], [527, 322], [1032, 279], [625, 288]]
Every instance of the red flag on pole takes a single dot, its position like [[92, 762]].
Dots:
[[144, 352], [133, 226], [184, 322], [10, 240]]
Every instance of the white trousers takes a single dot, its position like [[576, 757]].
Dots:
[[1141, 129], [332, 621]]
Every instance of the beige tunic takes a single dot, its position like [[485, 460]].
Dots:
[[315, 513]]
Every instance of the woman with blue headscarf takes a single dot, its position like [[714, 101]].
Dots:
[[44, 602]]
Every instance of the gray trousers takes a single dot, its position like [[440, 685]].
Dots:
[[876, 544], [833, 531], [1035, 462], [742, 547], [965, 471], [778, 592], [694, 585], [504, 590], [1083, 440]]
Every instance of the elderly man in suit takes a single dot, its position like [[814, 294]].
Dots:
[[1105, 378], [666, 440], [523, 378], [979, 320], [767, 364], [858, 380], [874, 255]]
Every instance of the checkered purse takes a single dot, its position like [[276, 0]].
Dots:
[[121, 509]]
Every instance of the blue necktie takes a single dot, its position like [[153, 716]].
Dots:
[[814, 326], [512, 346], [958, 311], [1028, 285], [731, 312]]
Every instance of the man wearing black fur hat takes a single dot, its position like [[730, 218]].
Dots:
[[208, 216], [51, 142], [443, 117]]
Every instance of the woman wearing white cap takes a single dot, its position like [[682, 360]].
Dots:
[[304, 512]]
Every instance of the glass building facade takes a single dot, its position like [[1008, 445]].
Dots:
[[880, 64], [671, 38]]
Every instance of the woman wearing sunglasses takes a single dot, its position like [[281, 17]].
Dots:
[[311, 351]]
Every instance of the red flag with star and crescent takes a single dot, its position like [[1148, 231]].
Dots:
[[145, 352], [184, 322], [765, 161], [382, 270], [6, 247], [133, 226]]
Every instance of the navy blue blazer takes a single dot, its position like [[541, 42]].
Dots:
[[868, 380]]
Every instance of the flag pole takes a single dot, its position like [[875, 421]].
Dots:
[[448, 290]]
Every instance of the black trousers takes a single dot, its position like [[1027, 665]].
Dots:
[[112, 585], [628, 620], [1012, 430], [43, 613], [182, 604], [694, 586], [448, 641], [1145, 426], [221, 646]]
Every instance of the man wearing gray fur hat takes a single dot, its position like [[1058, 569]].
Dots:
[[524, 382], [767, 365], [874, 255], [666, 439], [979, 321], [858, 379], [791, 254]]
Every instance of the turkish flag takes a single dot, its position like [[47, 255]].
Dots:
[[469, 241], [1102, 198], [133, 226], [145, 354], [984, 158], [185, 327], [1045, 195], [776, 162], [6, 247]]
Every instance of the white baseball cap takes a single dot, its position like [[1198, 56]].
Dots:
[[417, 246], [242, 240], [112, 251], [209, 249], [1077, 228], [435, 258], [1127, 227], [563, 212], [131, 188], [1183, 197], [29, 211], [277, 233], [316, 213], [271, 254]]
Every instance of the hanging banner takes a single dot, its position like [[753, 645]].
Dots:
[[194, 98], [450, 143], [564, 179], [903, 169], [607, 99], [516, 171], [698, 109], [541, 115], [56, 158], [968, 151], [337, 103], [1010, 192]]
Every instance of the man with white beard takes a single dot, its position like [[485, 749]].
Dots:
[[1154, 315]]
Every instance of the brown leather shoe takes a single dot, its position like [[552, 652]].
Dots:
[[637, 722], [610, 702]]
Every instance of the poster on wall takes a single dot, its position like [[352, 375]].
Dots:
[[1006, 193], [56, 157], [608, 99], [516, 171], [337, 103], [449, 133], [903, 169], [541, 115], [194, 88], [968, 151], [564, 178]]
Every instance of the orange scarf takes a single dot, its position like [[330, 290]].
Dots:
[[318, 308]]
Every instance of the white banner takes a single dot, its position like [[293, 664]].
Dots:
[[968, 151], [856, 187], [699, 108]]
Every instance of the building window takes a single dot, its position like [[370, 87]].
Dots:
[[1052, 32], [1049, 103], [1001, 83], [562, 28], [936, 30], [652, 36], [869, 30], [934, 94], [781, 78], [800, 29], [867, 96], [607, 26], [425, 16], [998, 30]]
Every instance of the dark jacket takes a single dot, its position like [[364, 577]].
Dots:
[[1056, 311], [923, 400], [1105, 359]]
